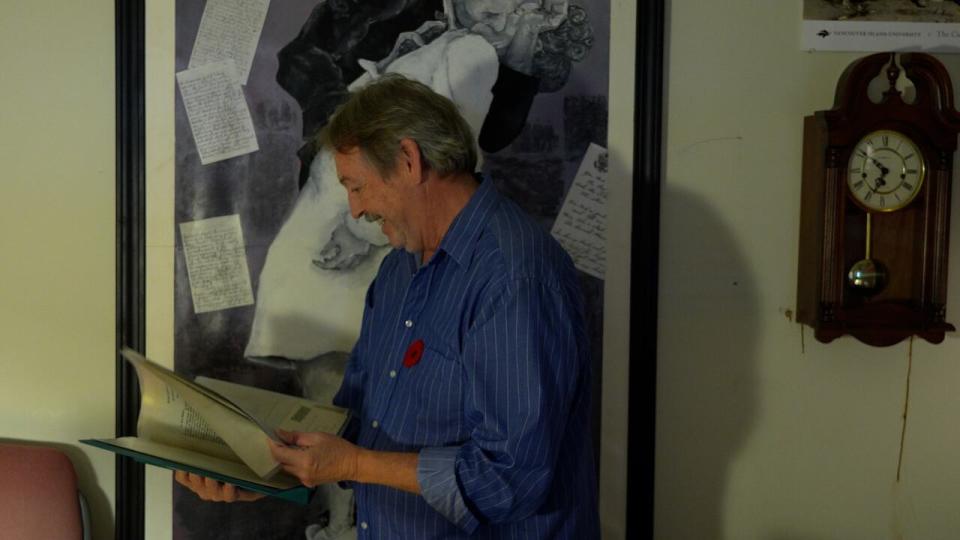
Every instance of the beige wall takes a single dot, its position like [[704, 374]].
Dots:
[[57, 234], [762, 432], [616, 340], [160, 232]]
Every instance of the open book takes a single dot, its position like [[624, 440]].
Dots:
[[218, 429]]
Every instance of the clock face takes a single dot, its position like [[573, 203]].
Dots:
[[885, 171]]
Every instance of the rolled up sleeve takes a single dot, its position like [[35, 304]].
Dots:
[[437, 476], [523, 370]]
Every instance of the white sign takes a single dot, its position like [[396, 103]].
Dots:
[[581, 227], [880, 36], [216, 263], [217, 111], [229, 30]]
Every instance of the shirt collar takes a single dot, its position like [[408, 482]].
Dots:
[[460, 240]]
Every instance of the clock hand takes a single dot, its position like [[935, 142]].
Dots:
[[883, 170]]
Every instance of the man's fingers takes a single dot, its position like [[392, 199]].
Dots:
[[281, 453], [299, 438], [244, 495], [209, 489], [212, 490], [229, 493], [289, 437], [182, 478], [307, 438], [194, 482]]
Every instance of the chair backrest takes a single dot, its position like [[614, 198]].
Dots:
[[38, 494]]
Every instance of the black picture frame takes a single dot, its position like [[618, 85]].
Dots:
[[130, 43], [131, 258], [644, 263]]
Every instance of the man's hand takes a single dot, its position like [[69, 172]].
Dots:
[[316, 458], [209, 489]]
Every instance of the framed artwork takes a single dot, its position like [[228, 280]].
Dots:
[[256, 182], [881, 25]]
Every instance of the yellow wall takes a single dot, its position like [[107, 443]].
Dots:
[[160, 231], [57, 234], [764, 433], [616, 318]]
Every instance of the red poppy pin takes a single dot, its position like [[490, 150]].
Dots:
[[413, 354]]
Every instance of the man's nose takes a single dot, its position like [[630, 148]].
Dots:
[[355, 209]]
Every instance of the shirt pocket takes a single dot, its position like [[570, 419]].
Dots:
[[435, 384]]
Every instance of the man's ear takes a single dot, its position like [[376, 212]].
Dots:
[[410, 160]]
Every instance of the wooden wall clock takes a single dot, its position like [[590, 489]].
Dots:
[[875, 205]]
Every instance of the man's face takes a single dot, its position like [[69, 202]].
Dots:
[[376, 198]]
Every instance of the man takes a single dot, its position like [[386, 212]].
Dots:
[[469, 383]]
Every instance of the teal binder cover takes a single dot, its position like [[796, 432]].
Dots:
[[299, 494]]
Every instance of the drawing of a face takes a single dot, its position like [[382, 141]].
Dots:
[[491, 13]]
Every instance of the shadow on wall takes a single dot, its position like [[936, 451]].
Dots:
[[101, 513], [707, 372]]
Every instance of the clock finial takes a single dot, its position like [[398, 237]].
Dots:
[[893, 73]]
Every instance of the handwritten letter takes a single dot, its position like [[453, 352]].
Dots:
[[218, 113], [229, 29], [581, 227], [216, 263]]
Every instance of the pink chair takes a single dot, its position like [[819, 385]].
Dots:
[[39, 497]]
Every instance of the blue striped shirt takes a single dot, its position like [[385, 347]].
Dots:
[[497, 404]]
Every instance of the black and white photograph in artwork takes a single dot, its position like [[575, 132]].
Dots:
[[935, 11], [535, 110]]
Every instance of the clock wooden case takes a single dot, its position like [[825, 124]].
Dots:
[[875, 205]]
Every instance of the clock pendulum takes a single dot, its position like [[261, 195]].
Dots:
[[885, 173], [867, 275]]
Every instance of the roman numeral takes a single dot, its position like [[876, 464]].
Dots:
[[882, 203], [858, 185], [908, 157], [911, 171], [886, 140], [857, 170], [908, 186], [867, 196]]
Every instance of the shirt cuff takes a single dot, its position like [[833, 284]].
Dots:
[[437, 476]]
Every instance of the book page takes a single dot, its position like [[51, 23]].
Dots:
[[229, 29], [581, 226], [239, 430], [166, 418], [216, 263], [275, 410], [218, 113]]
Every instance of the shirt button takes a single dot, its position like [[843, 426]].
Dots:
[[393, 374], [363, 525], [375, 424], [408, 323]]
